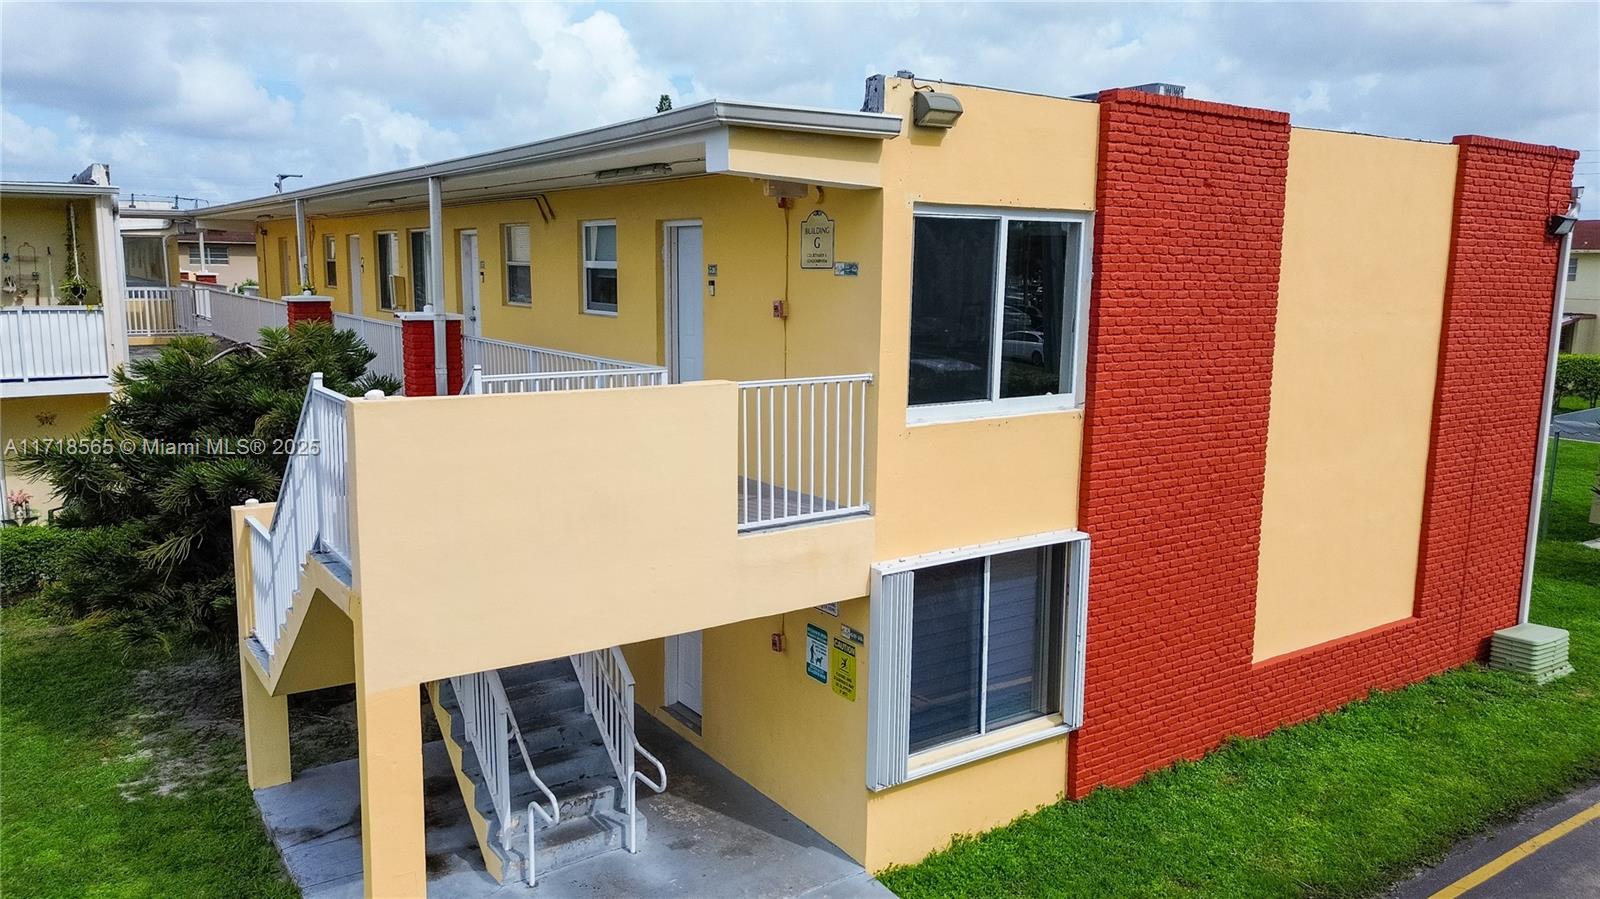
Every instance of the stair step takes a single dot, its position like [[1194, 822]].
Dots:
[[575, 840]]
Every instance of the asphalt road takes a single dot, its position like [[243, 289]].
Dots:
[[1552, 852]]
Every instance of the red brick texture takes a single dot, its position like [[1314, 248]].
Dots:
[[301, 309], [1188, 238], [416, 347]]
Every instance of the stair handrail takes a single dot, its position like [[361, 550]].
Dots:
[[311, 515], [486, 713], [608, 688]]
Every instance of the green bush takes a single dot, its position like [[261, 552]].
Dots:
[[1578, 375], [30, 558], [156, 558]]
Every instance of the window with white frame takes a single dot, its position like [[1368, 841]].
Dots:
[[519, 265], [997, 312], [216, 254], [600, 267], [330, 260], [388, 268], [975, 652], [1572, 267]]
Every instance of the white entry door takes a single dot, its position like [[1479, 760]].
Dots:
[[353, 272], [471, 282], [685, 280], [683, 671]]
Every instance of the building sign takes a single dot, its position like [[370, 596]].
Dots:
[[851, 634], [816, 241], [817, 653], [846, 269], [829, 608], [843, 664]]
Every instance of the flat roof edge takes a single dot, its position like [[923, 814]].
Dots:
[[57, 188], [706, 116]]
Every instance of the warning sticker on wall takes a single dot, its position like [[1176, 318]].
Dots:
[[843, 664], [817, 653]]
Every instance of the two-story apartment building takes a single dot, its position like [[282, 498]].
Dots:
[[62, 320], [811, 419], [1580, 328]]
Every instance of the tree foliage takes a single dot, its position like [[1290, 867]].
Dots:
[[1578, 375], [151, 475]]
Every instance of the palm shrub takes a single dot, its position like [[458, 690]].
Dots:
[[159, 565]]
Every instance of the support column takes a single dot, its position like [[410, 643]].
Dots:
[[423, 356], [266, 717], [309, 308], [300, 244], [436, 281], [393, 829]]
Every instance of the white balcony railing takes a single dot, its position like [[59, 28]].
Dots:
[[312, 515], [502, 357], [382, 337], [236, 316], [160, 311], [802, 450], [42, 343], [477, 382]]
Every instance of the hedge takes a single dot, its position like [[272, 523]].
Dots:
[[1578, 375], [31, 557]]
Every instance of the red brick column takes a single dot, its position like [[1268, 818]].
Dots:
[[417, 349], [1188, 238], [1188, 235], [309, 308]]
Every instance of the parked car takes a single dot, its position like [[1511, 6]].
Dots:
[[1027, 346]]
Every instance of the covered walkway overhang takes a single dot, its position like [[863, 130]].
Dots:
[[830, 148]]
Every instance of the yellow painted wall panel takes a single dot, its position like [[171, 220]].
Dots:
[[37, 227], [41, 418], [1360, 301]]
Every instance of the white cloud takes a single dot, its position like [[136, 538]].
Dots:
[[213, 100]]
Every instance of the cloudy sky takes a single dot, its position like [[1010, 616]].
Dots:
[[210, 100]]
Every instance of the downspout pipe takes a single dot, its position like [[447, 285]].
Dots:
[[1546, 411]]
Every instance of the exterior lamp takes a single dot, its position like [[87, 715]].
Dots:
[[931, 109], [1560, 225]]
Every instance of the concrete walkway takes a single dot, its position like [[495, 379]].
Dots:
[[710, 835], [1552, 852], [1583, 425]]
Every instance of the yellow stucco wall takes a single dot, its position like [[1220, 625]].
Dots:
[[745, 235], [788, 735], [42, 223], [1360, 300], [42, 417], [955, 484], [1583, 298]]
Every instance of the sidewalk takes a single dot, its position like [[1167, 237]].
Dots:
[[1551, 851]]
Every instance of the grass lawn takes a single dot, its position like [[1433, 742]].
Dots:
[[113, 785], [1339, 806]]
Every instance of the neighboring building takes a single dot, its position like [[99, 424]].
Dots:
[[911, 374], [59, 341], [163, 247], [1580, 325]]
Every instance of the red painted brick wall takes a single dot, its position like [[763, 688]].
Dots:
[[1188, 235], [1188, 240], [416, 347], [317, 309]]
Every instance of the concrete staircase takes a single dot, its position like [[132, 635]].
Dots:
[[565, 747]]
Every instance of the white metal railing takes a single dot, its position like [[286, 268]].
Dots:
[[802, 450], [52, 342], [608, 695], [160, 311], [312, 515], [490, 728], [382, 337], [478, 382], [502, 357], [239, 317]]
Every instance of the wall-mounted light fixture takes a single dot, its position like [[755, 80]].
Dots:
[[932, 109], [1560, 225]]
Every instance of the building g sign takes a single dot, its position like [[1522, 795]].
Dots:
[[816, 241]]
